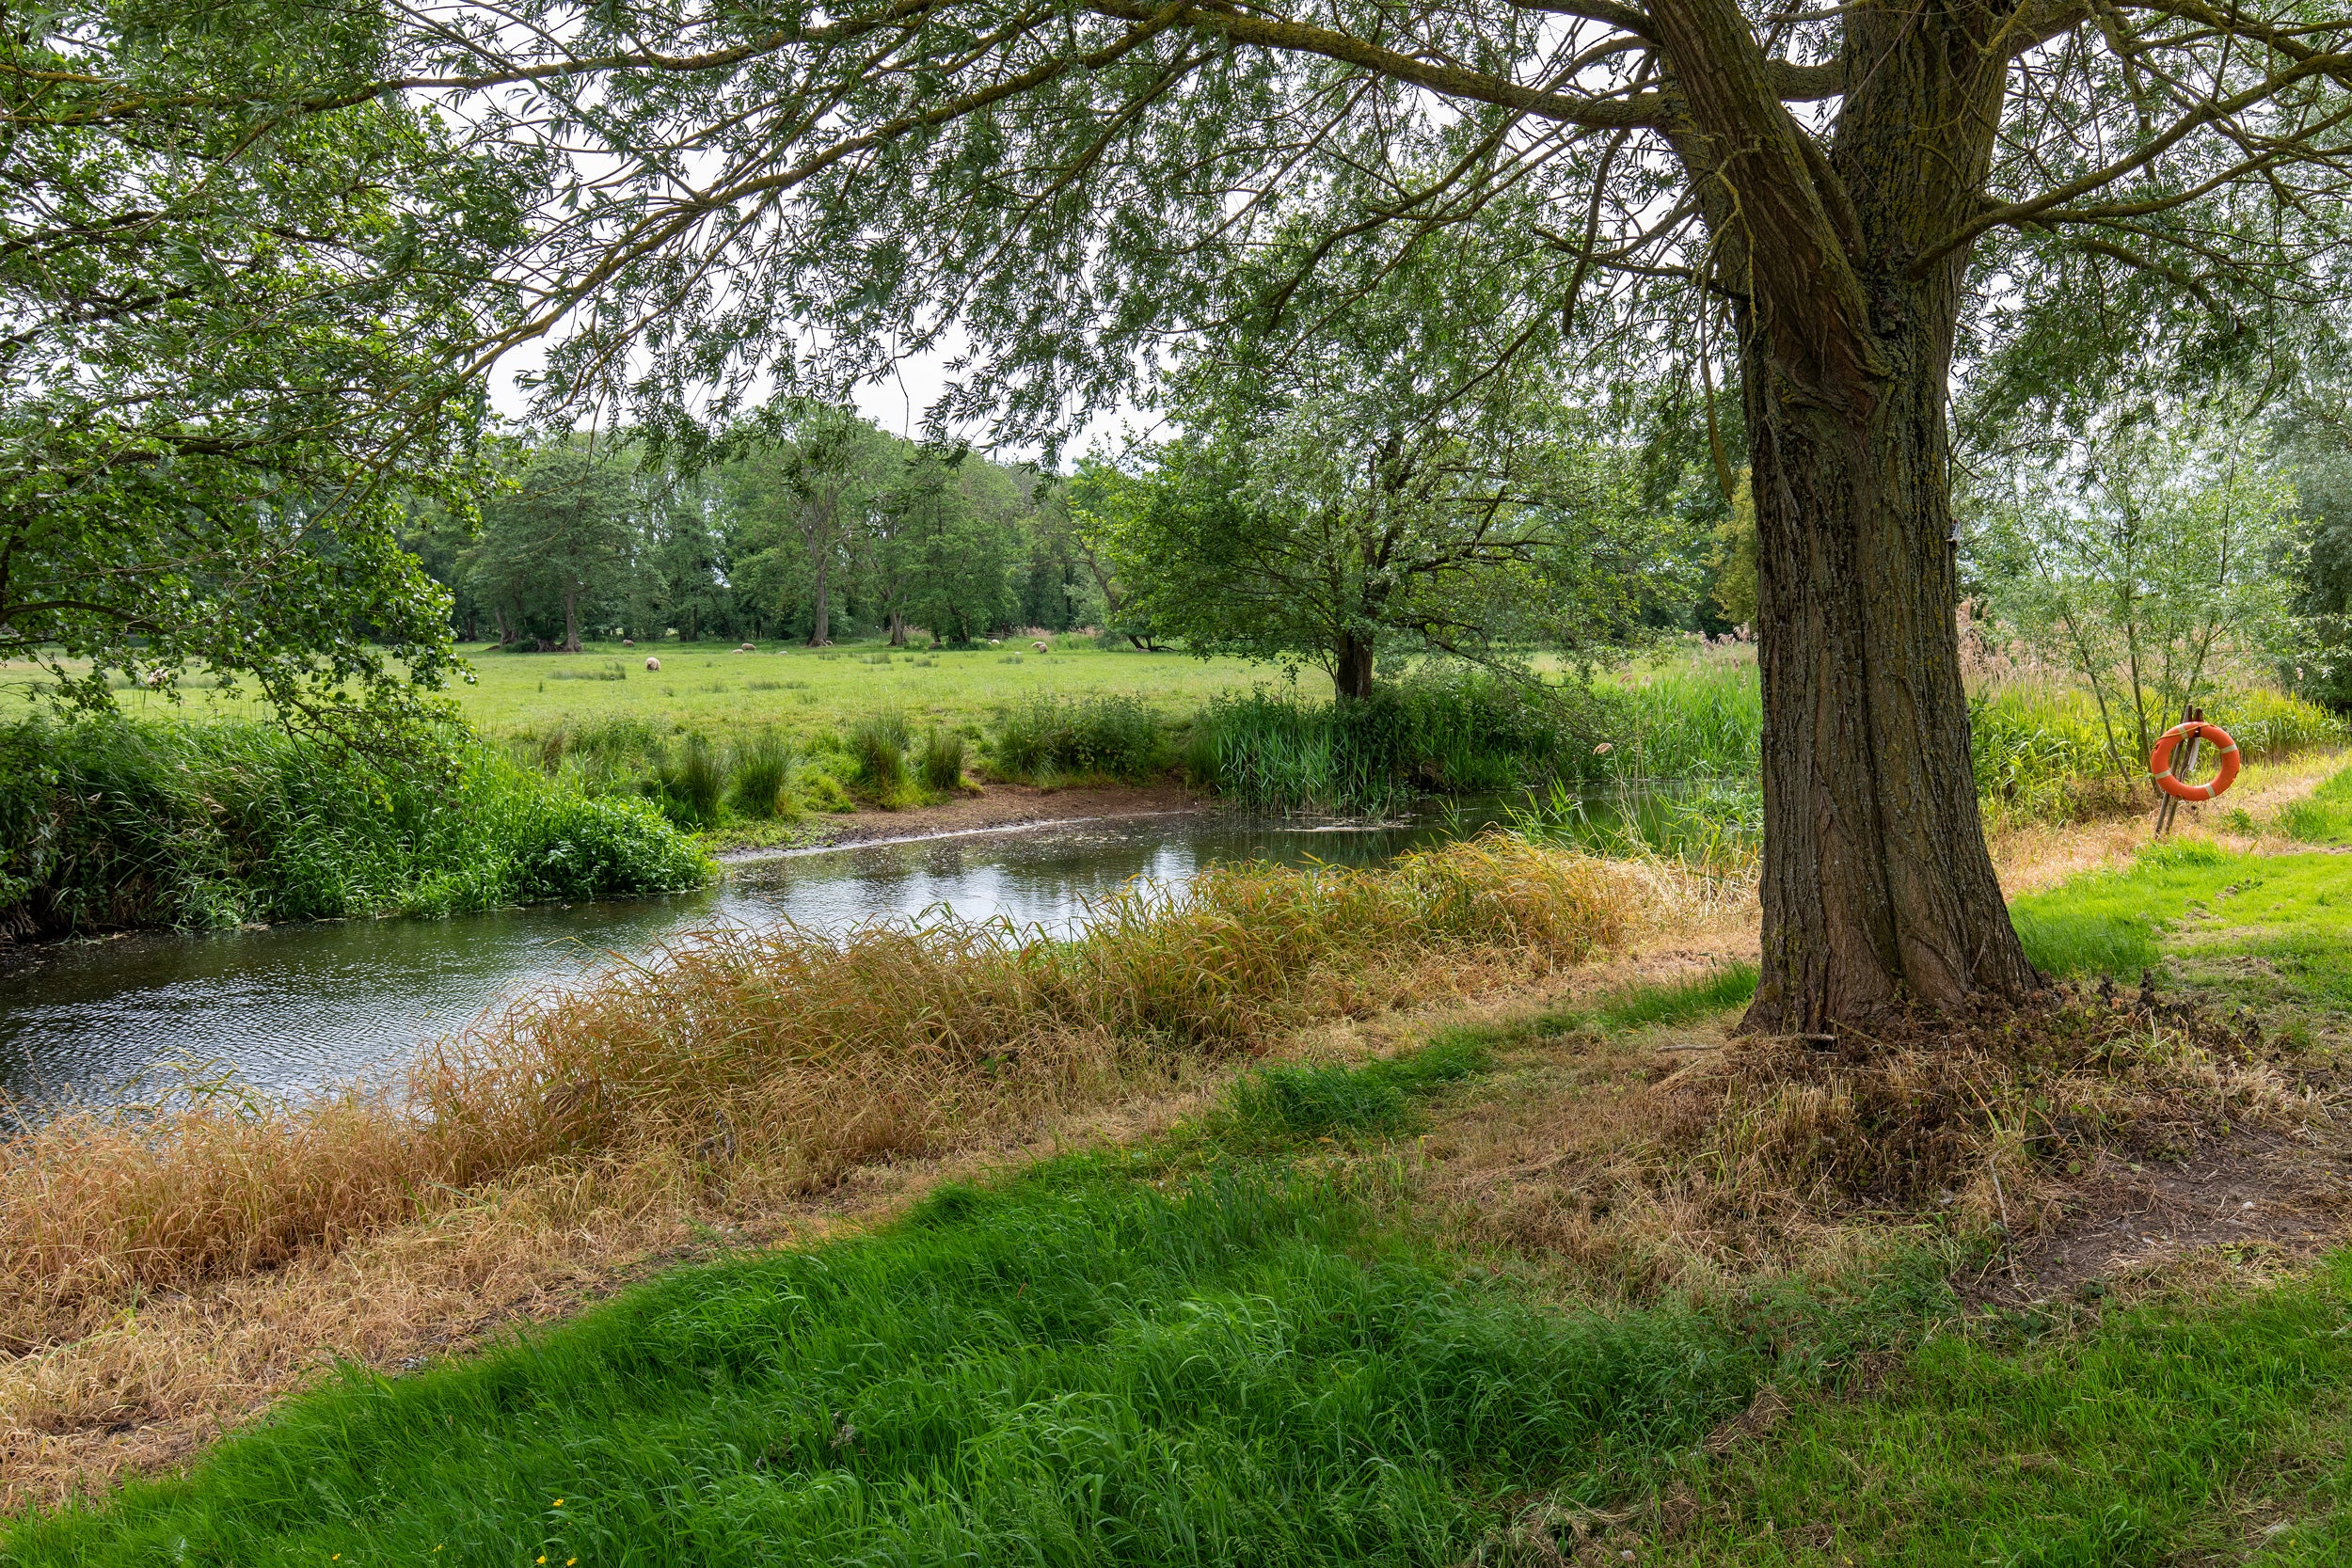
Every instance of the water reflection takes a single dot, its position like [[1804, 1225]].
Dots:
[[296, 1007]]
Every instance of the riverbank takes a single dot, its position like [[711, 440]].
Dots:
[[986, 808], [1580, 1054], [1523, 1276]]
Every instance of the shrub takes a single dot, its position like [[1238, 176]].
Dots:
[[942, 761], [762, 768], [1100, 737], [108, 822]]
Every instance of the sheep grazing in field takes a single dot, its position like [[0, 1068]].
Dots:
[[1041, 645], [629, 641], [653, 664]]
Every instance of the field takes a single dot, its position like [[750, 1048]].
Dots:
[[713, 688]]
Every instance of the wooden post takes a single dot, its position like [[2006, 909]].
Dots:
[[2183, 762]]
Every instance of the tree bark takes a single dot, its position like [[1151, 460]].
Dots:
[[1877, 885], [1876, 879], [1351, 666], [897, 627], [820, 629], [571, 619]]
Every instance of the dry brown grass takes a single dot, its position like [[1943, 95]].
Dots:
[[162, 1278], [1673, 1158]]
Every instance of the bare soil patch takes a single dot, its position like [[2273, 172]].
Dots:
[[1002, 806]]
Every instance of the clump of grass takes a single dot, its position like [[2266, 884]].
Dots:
[[1677, 724], [877, 747], [1678, 1002], [1927, 1104], [611, 670], [942, 765], [816, 1053], [762, 770], [1374, 756], [1314, 1099], [691, 781], [1049, 739], [2324, 816], [1710, 826]]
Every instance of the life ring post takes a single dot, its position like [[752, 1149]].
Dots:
[[2193, 729]]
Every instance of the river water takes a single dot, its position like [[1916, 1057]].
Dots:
[[292, 1008]]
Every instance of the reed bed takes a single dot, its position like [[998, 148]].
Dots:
[[785, 1053]]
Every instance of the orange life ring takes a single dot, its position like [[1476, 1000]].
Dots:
[[2160, 761]]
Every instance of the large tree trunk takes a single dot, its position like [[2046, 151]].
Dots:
[[1876, 878], [571, 619], [1351, 666], [820, 630], [1877, 884], [897, 627]]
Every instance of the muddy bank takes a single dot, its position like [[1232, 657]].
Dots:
[[991, 806]]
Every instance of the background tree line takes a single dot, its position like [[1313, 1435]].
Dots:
[[831, 529]]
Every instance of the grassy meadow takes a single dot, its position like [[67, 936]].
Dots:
[[1524, 1290], [714, 689]]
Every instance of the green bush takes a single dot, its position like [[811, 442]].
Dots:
[[942, 761], [1051, 737], [107, 822]]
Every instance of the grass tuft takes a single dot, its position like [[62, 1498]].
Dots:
[[877, 744], [942, 761], [1679, 1001], [762, 775]]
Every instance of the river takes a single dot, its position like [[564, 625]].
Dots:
[[293, 1009]]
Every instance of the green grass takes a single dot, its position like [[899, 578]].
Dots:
[[712, 689], [1107, 1360], [1646, 1006], [2277, 927], [2324, 816], [2171, 1434], [1234, 1345], [1326, 1099]]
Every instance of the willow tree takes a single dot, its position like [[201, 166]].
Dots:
[[1826, 201]]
